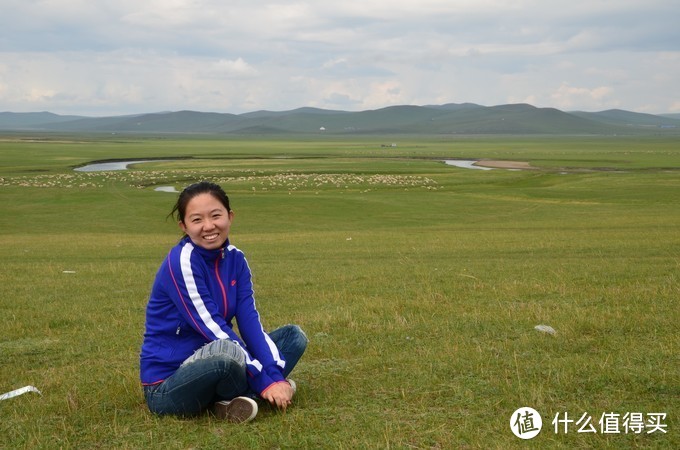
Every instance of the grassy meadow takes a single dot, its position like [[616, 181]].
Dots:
[[419, 285]]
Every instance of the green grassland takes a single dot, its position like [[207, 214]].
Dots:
[[418, 284]]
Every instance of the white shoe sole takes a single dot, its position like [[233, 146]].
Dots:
[[238, 410]]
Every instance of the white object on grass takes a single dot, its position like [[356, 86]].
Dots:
[[170, 189], [546, 329], [18, 392]]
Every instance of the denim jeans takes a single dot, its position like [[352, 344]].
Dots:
[[217, 371]]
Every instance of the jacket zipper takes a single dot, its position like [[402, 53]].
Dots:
[[219, 280]]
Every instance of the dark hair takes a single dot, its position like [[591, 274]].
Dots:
[[191, 191]]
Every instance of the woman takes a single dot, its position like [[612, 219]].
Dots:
[[191, 358]]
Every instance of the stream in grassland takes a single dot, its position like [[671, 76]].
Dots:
[[123, 165], [117, 165], [465, 164]]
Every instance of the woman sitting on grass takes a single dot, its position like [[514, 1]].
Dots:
[[191, 358]]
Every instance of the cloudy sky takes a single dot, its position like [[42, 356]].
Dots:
[[111, 57]]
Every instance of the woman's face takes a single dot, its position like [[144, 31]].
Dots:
[[207, 221]]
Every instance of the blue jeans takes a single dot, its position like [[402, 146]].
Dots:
[[217, 371]]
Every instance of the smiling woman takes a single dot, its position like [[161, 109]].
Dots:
[[205, 219], [191, 358]]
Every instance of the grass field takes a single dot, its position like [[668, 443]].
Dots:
[[418, 284]]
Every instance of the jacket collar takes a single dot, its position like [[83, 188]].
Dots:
[[208, 255]]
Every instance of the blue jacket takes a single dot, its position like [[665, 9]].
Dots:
[[195, 296]]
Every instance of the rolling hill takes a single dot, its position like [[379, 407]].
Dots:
[[452, 118]]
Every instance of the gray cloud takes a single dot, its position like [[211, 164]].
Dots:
[[114, 57]]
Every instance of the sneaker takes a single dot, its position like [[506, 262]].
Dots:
[[292, 384], [238, 410]]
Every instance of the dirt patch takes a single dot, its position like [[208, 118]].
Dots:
[[516, 165]]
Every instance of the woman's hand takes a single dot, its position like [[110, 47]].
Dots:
[[279, 394]]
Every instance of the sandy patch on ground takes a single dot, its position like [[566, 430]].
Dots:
[[517, 165]]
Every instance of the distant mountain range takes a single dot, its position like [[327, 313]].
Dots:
[[452, 118]]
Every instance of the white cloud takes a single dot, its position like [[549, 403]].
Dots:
[[385, 93], [570, 97], [238, 68], [135, 56], [333, 63]]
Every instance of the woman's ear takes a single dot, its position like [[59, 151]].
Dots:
[[182, 226]]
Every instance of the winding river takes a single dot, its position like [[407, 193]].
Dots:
[[123, 165], [465, 164], [117, 165]]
